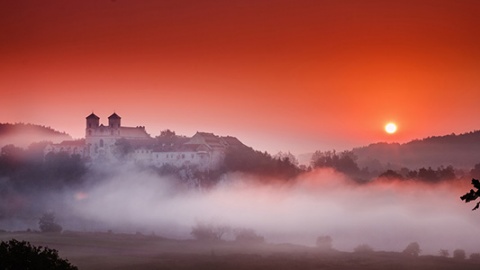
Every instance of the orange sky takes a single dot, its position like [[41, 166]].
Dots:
[[279, 75]]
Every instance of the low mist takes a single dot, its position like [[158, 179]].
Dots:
[[387, 215]]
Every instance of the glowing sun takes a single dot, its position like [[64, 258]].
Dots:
[[390, 128]]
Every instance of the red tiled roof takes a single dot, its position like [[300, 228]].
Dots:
[[209, 139], [133, 132]]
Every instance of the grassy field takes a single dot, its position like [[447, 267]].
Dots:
[[122, 251]]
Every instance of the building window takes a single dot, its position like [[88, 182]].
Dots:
[[90, 132], [101, 142]]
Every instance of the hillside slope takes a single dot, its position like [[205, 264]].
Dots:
[[23, 135], [460, 151]]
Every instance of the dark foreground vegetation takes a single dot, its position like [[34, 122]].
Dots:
[[122, 251], [22, 255]]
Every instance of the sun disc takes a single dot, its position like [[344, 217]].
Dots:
[[390, 128]]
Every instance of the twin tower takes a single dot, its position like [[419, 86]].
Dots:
[[93, 121]]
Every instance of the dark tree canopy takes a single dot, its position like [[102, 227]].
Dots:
[[22, 255], [344, 162], [209, 232], [247, 160], [47, 223], [472, 195], [412, 249], [248, 236], [459, 254]]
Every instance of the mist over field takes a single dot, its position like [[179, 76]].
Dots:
[[387, 215]]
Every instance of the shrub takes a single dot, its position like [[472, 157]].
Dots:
[[47, 223], [475, 256], [443, 253], [248, 236], [209, 232], [413, 249], [459, 254], [22, 255]]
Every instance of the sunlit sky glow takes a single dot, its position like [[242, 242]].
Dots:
[[279, 75]]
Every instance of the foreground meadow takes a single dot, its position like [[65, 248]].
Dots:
[[126, 251]]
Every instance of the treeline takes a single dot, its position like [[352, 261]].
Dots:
[[457, 150], [346, 162], [30, 169], [248, 160], [422, 174], [27, 177]]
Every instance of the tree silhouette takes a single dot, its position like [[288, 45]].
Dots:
[[412, 249], [459, 254], [47, 223], [344, 162], [247, 236], [209, 232], [472, 195], [22, 255], [475, 172], [443, 253], [475, 256]]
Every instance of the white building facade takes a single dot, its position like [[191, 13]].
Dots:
[[102, 143]]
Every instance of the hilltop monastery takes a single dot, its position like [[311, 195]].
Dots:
[[115, 142]]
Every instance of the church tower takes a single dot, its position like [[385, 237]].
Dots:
[[93, 121], [114, 121]]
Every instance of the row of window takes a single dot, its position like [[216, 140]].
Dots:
[[112, 132], [178, 156]]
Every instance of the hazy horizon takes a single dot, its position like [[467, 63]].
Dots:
[[283, 76], [387, 215]]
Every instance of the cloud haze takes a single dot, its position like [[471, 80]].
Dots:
[[385, 215]]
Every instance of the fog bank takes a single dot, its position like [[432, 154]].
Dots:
[[386, 215]]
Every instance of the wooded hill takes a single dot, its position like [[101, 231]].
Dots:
[[460, 151], [22, 135]]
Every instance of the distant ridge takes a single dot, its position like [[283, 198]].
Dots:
[[22, 135], [460, 151]]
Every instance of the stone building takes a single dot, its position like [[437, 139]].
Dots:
[[100, 140], [104, 143]]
